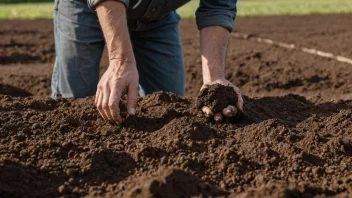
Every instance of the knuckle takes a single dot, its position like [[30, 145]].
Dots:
[[100, 107], [100, 86], [103, 86], [111, 104], [105, 106]]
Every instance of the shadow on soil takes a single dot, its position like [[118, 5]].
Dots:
[[13, 91], [17, 57], [289, 110], [108, 166]]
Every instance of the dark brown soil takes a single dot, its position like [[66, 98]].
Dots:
[[294, 138], [64, 148], [217, 97]]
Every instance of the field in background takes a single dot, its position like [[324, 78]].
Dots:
[[245, 8], [281, 7]]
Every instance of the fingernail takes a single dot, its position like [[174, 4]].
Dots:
[[132, 111]]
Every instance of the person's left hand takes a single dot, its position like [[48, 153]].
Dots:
[[230, 110]]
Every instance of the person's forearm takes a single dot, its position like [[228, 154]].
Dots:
[[113, 21], [213, 42]]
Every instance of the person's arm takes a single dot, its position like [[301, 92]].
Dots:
[[122, 74], [213, 42], [215, 20]]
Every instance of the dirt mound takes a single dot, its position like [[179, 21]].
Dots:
[[64, 148], [170, 182]]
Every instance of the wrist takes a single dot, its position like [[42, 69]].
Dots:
[[211, 74], [121, 56], [211, 79], [122, 62]]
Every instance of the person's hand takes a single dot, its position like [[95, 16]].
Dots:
[[119, 78], [230, 110]]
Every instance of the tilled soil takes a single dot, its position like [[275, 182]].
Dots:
[[283, 145], [294, 138]]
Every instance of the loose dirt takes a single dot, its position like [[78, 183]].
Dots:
[[294, 138], [216, 97]]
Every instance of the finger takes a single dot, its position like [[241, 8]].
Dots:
[[226, 112], [218, 117], [99, 105], [114, 102], [229, 111], [106, 105], [207, 111], [132, 98], [96, 97], [239, 104]]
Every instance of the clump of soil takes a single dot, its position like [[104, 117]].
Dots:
[[170, 182], [217, 97]]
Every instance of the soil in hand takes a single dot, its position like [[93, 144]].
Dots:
[[217, 97]]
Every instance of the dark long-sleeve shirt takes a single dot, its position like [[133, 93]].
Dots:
[[209, 13]]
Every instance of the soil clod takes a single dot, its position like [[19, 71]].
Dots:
[[217, 97]]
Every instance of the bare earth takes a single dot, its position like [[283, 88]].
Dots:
[[294, 138]]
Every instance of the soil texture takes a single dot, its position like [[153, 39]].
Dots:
[[293, 139], [217, 97]]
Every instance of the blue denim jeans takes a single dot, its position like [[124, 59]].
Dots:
[[79, 44]]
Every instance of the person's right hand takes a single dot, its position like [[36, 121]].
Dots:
[[118, 78]]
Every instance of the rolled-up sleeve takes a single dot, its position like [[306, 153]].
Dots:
[[93, 3], [216, 13]]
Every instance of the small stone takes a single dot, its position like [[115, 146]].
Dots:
[[259, 179], [308, 169], [190, 145], [177, 141], [75, 189], [316, 171], [24, 153], [70, 171], [273, 160], [329, 170], [71, 180], [222, 185], [214, 143], [164, 160], [62, 189]]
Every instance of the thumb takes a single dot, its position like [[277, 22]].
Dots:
[[239, 104], [132, 98]]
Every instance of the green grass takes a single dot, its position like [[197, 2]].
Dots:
[[245, 8], [26, 11], [280, 7]]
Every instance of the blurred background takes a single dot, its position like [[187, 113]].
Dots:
[[33, 9]]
